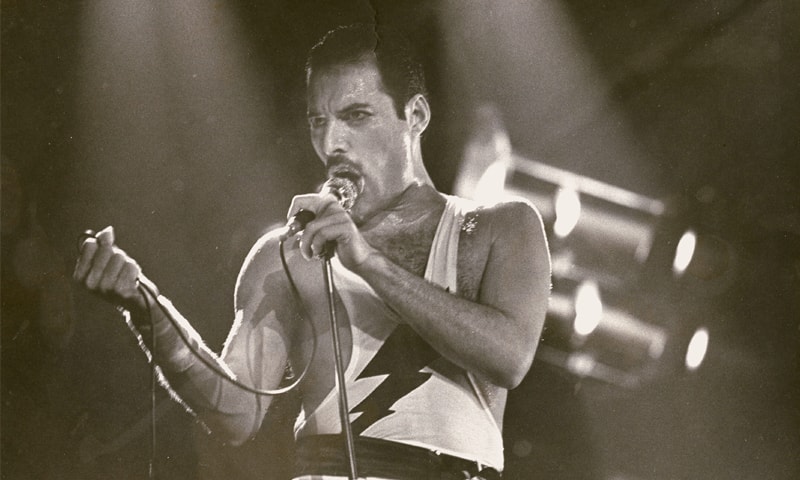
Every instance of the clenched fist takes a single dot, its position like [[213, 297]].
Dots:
[[107, 270]]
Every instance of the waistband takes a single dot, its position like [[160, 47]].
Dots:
[[326, 455]]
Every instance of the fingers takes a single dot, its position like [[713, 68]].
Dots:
[[88, 250], [111, 272], [336, 227], [105, 236], [127, 280], [100, 260], [330, 222], [317, 203], [106, 269]]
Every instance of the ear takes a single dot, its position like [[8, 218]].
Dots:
[[418, 114]]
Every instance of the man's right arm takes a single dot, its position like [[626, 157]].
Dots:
[[255, 352]]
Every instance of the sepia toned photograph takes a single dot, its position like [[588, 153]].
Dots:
[[400, 240]]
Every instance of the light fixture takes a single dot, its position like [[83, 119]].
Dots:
[[588, 308], [567, 203], [697, 349], [684, 252]]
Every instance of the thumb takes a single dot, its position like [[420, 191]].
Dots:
[[105, 236]]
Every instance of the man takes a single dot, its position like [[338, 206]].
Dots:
[[440, 303]]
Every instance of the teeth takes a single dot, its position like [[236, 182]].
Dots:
[[346, 174]]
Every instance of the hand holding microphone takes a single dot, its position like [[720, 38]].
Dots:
[[325, 217], [343, 189]]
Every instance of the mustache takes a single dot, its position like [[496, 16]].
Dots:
[[341, 166]]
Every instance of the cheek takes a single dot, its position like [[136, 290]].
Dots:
[[390, 139], [316, 142]]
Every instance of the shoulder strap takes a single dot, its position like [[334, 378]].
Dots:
[[443, 258]]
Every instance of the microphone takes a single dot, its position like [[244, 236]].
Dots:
[[345, 191]]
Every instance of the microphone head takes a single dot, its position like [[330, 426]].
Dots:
[[343, 189]]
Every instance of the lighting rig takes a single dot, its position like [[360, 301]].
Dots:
[[620, 263]]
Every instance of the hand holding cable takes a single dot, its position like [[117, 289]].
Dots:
[[107, 270]]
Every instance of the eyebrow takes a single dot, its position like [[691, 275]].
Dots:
[[347, 108], [355, 106]]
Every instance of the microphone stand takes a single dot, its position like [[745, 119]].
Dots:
[[344, 409]]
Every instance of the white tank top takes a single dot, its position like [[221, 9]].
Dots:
[[399, 388]]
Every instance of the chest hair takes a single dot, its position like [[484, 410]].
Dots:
[[410, 249]]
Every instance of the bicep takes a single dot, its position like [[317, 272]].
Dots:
[[258, 344], [516, 279]]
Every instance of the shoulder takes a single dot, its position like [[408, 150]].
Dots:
[[510, 218], [263, 251], [513, 229], [515, 210], [513, 237], [268, 266], [260, 265]]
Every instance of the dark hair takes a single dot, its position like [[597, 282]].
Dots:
[[401, 73]]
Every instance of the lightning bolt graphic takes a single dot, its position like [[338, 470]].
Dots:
[[401, 357]]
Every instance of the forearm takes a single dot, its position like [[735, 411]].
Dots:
[[187, 366], [197, 375], [479, 338]]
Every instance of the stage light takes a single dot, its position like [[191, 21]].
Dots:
[[696, 351], [581, 364], [568, 211], [490, 188], [684, 252], [588, 308], [487, 154]]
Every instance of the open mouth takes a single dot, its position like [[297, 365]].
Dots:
[[348, 182], [345, 172]]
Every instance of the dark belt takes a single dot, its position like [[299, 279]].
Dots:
[[326, 455]]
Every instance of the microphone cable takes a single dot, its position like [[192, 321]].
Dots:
[[151, 297], [151, 471], [346, 192], [148, 294]]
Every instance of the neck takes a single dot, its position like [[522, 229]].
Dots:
[[419, 170], [404, 232], [417, 203]]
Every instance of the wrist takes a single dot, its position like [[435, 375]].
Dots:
[[371, 262], [142, 302]]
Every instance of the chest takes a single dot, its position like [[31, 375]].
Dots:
[[410, 248]]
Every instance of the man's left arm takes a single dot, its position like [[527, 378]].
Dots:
[[495, 336]]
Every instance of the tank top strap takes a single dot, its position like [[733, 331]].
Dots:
[[443, 258]]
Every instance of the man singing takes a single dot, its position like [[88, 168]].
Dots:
[[440, 302]]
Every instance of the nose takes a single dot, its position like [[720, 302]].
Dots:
[[334, 141]]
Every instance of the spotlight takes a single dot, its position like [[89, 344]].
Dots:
[[588, 308], [491, 185], [568, 211], [581, 364], [487, 154], [696, 351], [684, 252]]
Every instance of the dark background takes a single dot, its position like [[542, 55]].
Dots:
[[183, 126]]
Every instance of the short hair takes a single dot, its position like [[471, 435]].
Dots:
[[400, 71]]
